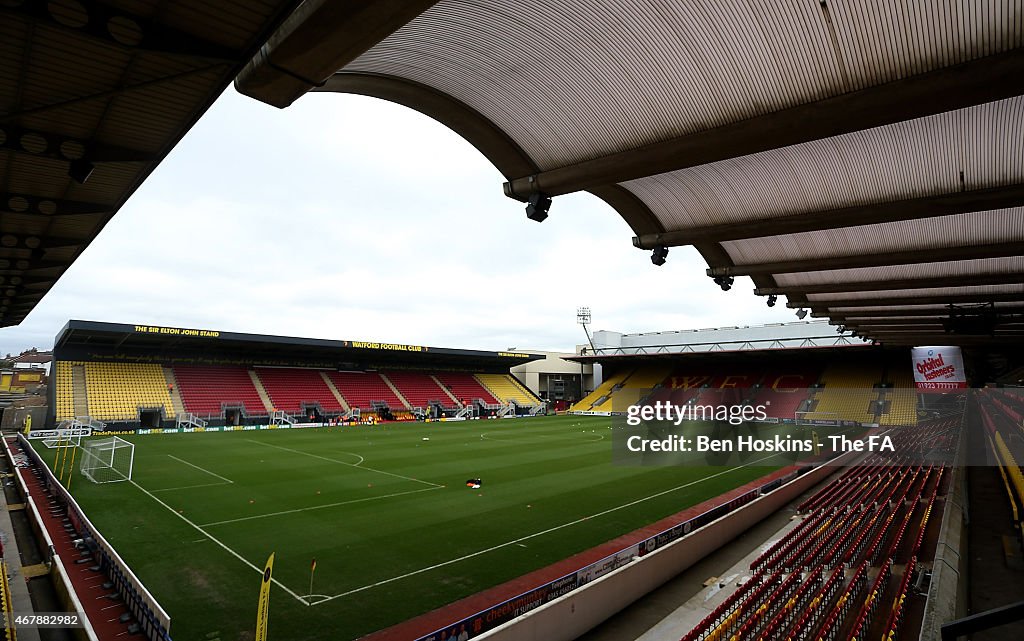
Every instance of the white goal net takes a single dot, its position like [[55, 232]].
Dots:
[[107, 460]]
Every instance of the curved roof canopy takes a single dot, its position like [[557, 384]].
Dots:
[[93, 95], [866, 160]]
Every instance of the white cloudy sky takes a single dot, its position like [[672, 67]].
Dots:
[[347, 217]]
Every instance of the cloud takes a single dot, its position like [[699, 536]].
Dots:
[[351, 218]]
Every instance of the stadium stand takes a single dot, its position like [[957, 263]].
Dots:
[[118, 390], [783, 393], [874, 515], [294, 390], [634, 388], [419, 389], [848, 391], [363, 389], [466, 387], [901, 406], [206, 390], [602, 391], [65, 392], [507, 389]]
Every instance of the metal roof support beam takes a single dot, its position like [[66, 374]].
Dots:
[[120, 29], [909, 257], [316, 40], [885, 285], [908, 314], [955, 87], [16, 266], [898, 303], [910, 209]]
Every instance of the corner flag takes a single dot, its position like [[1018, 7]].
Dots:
[[264, 606]]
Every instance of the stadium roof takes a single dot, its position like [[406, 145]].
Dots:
[[866, 160], [111, 86], [80, 339]]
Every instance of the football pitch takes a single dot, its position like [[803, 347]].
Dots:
[[385, 512]]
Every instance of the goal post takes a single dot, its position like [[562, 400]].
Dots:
[[107, 460]]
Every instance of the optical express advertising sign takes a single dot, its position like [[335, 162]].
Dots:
[[938, 369]]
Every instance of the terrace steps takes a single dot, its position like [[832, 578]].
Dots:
[[335, 392], [262, 391]]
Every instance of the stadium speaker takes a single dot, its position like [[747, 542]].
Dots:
[[801, 313], [659, 255], [537, 207], [80, 169]]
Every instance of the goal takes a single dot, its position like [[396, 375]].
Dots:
[[107, 460]]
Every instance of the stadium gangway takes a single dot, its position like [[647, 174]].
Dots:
[[506, 410], [354, 413], [189, 420], [465, 412], [278, 417], [537, 409]]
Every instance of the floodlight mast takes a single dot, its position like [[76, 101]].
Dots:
[[583, 318]]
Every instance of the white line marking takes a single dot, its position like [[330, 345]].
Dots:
[[484, 436], [317, 507], [542, 532], [201, 469], [332, 460], [189, 487], [217, 541]]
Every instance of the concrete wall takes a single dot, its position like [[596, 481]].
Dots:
[[947, 592], [579, 611]]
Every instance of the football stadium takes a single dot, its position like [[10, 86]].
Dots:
[[851, 474]]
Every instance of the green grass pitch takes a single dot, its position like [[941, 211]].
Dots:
[[387, 515]]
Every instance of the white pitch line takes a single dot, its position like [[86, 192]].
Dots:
[[189, 487], [317, 507], [217, 541], [541, 533], [201, 469], [332, 460]]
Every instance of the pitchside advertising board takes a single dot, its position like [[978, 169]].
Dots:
[[938, 368]]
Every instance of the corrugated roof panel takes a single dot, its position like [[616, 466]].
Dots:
[[565, 94], [910, 159], [899, 294], [959, 230], [961, 269]]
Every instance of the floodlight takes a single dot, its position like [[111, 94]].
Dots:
[[659, 255], [801, 313], [772, 299], [537, 207]]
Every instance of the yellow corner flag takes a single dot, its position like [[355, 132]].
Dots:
[[264, 607]]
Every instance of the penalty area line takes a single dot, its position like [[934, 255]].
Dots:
[[317, 507], [541, 533], [217, 541], [355, 465], [201, 469]]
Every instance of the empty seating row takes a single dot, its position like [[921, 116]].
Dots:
[[205, 390]]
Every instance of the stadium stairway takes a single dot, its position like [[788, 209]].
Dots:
[[268, 405], [79, 390], [446, 390], [334, 390], [398, 393], [174, 391]]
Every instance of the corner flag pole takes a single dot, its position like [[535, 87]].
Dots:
[[312, 569]]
